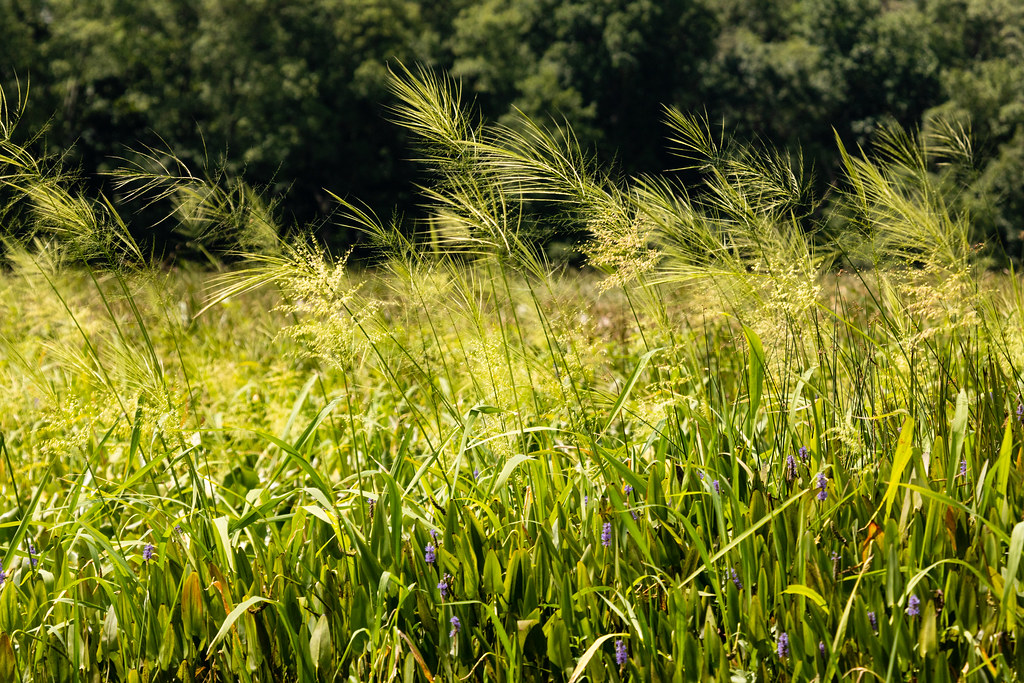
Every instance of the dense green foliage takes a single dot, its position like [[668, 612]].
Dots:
[[293, 95], [717, 461]]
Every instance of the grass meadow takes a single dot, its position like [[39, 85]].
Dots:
[[760, 436]]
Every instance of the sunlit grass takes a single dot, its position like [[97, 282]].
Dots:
[[710, 456]]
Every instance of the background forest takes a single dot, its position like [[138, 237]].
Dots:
[[291, 95]]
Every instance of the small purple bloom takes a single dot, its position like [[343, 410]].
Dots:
[[434, 534], [803, 453], [821, 647], [736, 579], [963, 469], [586, 499], [456, 627], [700, 475], [3, 575], [621, 653], [634, 515], [606, 534], [782, 648], [147, 552], [913, 605], [476, 472], [177, 527], [874, 621], [430, 553], [444, 585], [716, 487], [627, 489], [790, 468], [32, 555], [822, 482], [1020, 412]]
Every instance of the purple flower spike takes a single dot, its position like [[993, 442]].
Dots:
[[627, 489], [147, 552], [963, 469], [456, 627], [3, 575], [444, 585], [736, 579], [782, 648], [822, 482], [430, 553], [716, 487], [874, 621], [621, 653], [913, 606], [803, 453], [790, 468], [606, 534], [821, 647], [32, 555]]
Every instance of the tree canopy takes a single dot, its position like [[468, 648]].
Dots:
[[292, 95]]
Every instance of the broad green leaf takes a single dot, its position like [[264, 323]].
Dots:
[[232, 617], [581, 665], [904, 449]]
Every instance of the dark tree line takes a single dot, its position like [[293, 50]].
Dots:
[[292, 94]]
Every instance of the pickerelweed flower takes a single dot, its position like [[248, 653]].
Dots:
[[790, 468], [700, 475], [606, 534], [782, 648], [821, 647], [147, 552], [736, 579], [913, 605], [621, 653], [716, 487], [586, 499], [627, 489], [430, 553], [963, 469], [32, 555], [444, 585], [874, 621], [803, 453], [635, 515], [476, 472], [1020, 411], [434, 534], [822, 482], [456, 627], [3, 575]]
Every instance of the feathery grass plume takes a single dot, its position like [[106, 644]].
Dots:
[[742, 233], [215, 212], [902, 221]]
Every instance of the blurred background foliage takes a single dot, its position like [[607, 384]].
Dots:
[[291, 94]]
